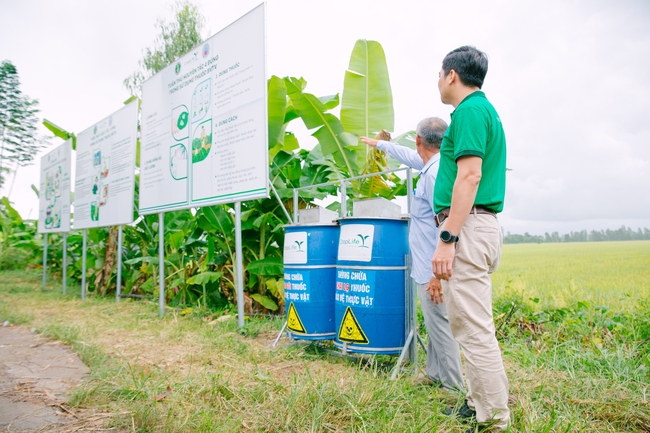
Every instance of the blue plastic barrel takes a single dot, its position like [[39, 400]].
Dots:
[[309, 280], [370, 285]]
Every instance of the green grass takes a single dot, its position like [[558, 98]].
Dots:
[[575, 346]]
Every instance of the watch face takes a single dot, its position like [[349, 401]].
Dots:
[[447, 237]]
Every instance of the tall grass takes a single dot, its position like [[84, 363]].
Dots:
[[575, 349]]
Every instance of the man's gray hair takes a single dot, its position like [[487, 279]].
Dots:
[[431, 131]]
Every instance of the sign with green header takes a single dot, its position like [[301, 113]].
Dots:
[[204, 123]]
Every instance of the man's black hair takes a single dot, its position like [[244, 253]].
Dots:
[[470, 64]]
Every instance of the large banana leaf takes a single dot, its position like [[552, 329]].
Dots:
[[277, 99], [331, 136], [367, 105]]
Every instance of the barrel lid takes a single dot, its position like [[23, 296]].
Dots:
[[332, 224], [402, 217]]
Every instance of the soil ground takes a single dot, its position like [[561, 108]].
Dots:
[[36, 378]]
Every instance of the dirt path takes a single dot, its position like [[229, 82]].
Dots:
[[36, 377]]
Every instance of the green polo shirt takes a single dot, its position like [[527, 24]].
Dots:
[[475, 130]]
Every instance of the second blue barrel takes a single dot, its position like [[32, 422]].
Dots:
[[370, 285], [309, 280]]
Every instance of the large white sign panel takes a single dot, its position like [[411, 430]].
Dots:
[[105, 175], [54, 190], [204, 123]]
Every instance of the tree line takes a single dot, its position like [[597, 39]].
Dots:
[[621, 234]]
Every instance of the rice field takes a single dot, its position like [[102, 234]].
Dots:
[[612, 274]]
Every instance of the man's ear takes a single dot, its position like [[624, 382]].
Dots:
[[418, 140], [452, 77]]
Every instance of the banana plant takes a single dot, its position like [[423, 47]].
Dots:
[[367, 110]]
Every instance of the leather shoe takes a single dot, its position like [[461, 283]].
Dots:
[[425, 380], [465, 412]]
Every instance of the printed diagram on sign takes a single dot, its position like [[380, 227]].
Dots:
[[350, 330], [53, 180], [178, 151], [178, 161], [293, 320], [99, 183], [201, 101], [180, 120], [202, 141]]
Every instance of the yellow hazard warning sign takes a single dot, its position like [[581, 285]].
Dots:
[[293, 321], [350, 330]]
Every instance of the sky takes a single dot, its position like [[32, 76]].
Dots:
[[569, 80]]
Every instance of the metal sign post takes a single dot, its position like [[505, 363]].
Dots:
[[84, 245], [161, 263], [44, 260], [65, 262], [239, 266], [118, 288]]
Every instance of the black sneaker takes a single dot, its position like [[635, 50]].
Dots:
[[465, 412]]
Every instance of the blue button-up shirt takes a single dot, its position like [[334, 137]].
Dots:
[[423, 233]]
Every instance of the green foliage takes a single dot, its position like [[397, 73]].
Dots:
[[174, 40], [367, 106], [19, 139], [199, 246], [14, 258], [19, 245]]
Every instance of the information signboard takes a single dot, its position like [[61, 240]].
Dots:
[[105, 171], [204, 123], [54, 190]]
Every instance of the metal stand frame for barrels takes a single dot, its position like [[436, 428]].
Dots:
[[412, 337]]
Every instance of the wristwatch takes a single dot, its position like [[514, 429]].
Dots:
[[447, 237]]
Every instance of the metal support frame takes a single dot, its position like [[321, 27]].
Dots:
[[84, 246], [118, 286], [239, 266], [44, 260], [277, 196], [275, 343], [64, 265], [295, 205], [161, 264], [409, 350]]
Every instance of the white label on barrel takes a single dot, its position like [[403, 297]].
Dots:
[[295, 248], [355, 242]]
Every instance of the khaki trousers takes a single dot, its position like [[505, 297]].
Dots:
[[468, 295]]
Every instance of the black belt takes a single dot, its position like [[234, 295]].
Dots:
[[444, 214]]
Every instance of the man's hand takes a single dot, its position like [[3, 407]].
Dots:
[[443, 260], [369, 141], [435, 291]]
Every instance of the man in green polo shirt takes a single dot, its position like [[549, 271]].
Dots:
[[469, 193]]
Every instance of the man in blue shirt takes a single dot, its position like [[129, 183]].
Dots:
[[443, 356]]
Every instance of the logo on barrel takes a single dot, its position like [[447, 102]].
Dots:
[[355, 242], [363, 240], [295, 248]]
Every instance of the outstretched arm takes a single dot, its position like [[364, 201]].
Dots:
[[403, 154]]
